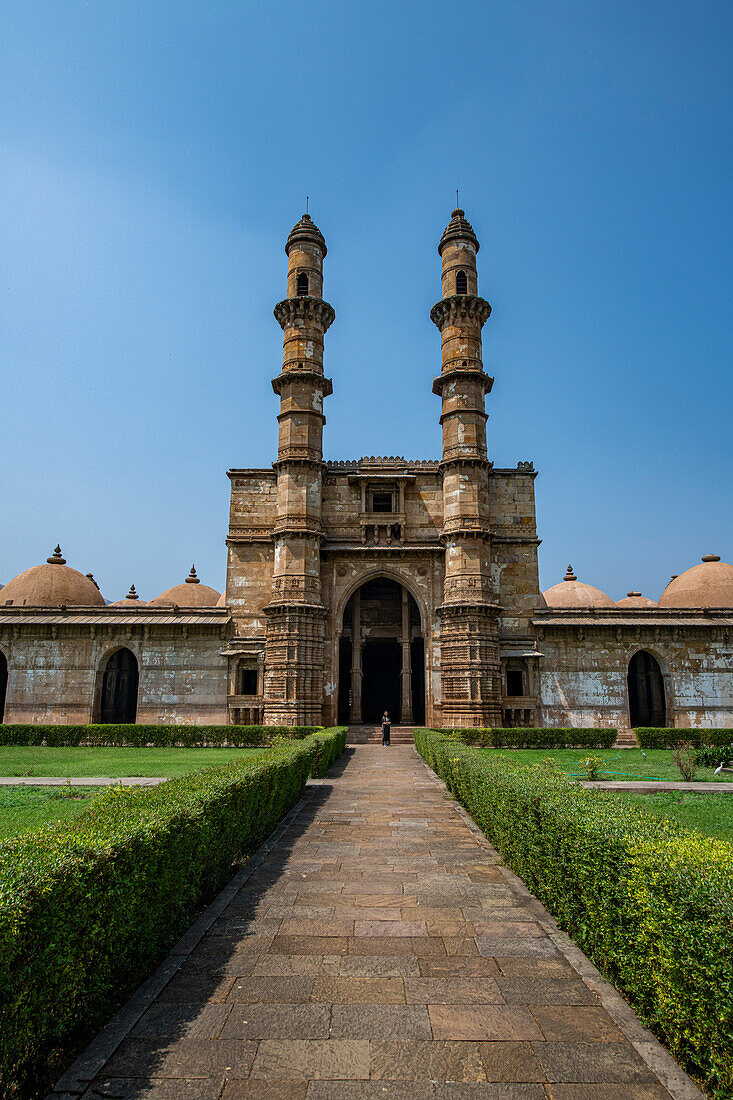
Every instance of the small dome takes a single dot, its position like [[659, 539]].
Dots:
[[709, 584], [221, 602], [131, 600], [635, 599], [458, 229], [192, 593], [571, 592], [53, 584], [307, 231]]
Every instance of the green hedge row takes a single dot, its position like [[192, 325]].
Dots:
[[541, 738], [88, 907], [130, 735], [649, 900], [652, 737]]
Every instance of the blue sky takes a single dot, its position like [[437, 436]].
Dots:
[[154, 157]]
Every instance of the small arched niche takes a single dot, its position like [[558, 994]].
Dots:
[[118, 699], [3, 683], [302, 285], [647, 703], [461, 283]]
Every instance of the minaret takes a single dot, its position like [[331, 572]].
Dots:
[[295, 614], [469, 647]]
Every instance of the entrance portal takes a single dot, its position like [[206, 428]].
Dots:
[[380, 685], [3, 682], [381, 657], [646, 691], [119, 688]]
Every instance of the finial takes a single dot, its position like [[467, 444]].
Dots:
[[306, 206], [570, 576], [633, 593], [56, 558], [674, 576], [458, 213], [710, 557], [132, 594], [192, 578], [90, 577]]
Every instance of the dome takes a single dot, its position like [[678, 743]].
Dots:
[[709, 584], [131, 600], [305, 231], [221, 602], [571, 592], [192, 593], [458, 229], [53, 584], [635, 599]]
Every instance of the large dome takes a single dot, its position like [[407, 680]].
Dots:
[[635, 599], [192, 593], [571, 592], [709, 584], [131, 600], [53, 584]]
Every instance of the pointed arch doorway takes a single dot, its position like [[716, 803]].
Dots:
[[118, 701], [381, 656], [647, 704]]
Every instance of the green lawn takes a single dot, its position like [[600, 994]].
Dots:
[[711, 814], [37, 760], [620, 764], [24, 809]]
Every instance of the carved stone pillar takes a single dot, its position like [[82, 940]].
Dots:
[[356, 662], [406, 715]]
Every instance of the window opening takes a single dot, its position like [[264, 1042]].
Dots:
[[382, 502], [461, 283], [302, 285], [514, 682], [248, 681]]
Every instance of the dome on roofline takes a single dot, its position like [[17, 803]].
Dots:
[[53, 584], [222, 601], [131, 600], [192, 593], [571, 592], [709, 584], [635, 599]]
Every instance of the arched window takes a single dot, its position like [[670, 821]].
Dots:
[[302, 285], [461, 283], [646, 691], [3, 682], [119, 688]]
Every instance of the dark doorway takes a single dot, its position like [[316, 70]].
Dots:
[[344, 700], [381, 664], [3, 683], [646, 691], [119, 688], [417, 655]]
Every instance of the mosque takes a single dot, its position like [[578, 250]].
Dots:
[[355, 586]]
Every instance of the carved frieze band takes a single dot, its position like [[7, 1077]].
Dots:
[[291, 310], [460, 308]]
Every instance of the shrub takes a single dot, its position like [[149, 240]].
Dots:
[[88, 907], [653, 737], [685, 761], [131, 735], [650, 901], [592, 765], [541, 738], [712, 756]]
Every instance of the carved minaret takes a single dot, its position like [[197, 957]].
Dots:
[[295, 615], [469, 647]]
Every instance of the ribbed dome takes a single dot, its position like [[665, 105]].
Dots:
[[571, 592], [635, 599], [709, 584], [305, 230], [131, 600], [192, 593], [53, 584], [458, 229]]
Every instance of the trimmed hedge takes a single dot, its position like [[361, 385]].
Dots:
[[87, 908], [131, 735], [710, 756], [650, 901], [546, 737], [653, 737]]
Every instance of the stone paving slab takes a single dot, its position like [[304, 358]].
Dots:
[[376, 947], [81, 781], [647, 786]]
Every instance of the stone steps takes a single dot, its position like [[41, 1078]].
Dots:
[[372, 735]]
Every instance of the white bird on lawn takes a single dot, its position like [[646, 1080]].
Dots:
[[718, 770], [643, 754]]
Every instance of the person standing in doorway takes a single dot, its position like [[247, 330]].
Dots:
[[386, 726]]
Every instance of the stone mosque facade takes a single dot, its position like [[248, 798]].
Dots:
[[382, 583]]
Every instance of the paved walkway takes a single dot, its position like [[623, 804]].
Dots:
[[646, 786], [378, 949], [80, 781]]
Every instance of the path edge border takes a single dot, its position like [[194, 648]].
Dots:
[[662, 1064], [91, 1062]]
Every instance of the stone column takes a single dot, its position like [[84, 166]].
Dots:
[[406, 715], [356, 661]]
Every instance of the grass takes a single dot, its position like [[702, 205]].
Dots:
[[37, 760], [25, 809], [658, 764], [711, 814]]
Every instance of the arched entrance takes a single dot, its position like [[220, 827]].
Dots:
[[118, 702], [381, 656], [646, 691], [3, 682]]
